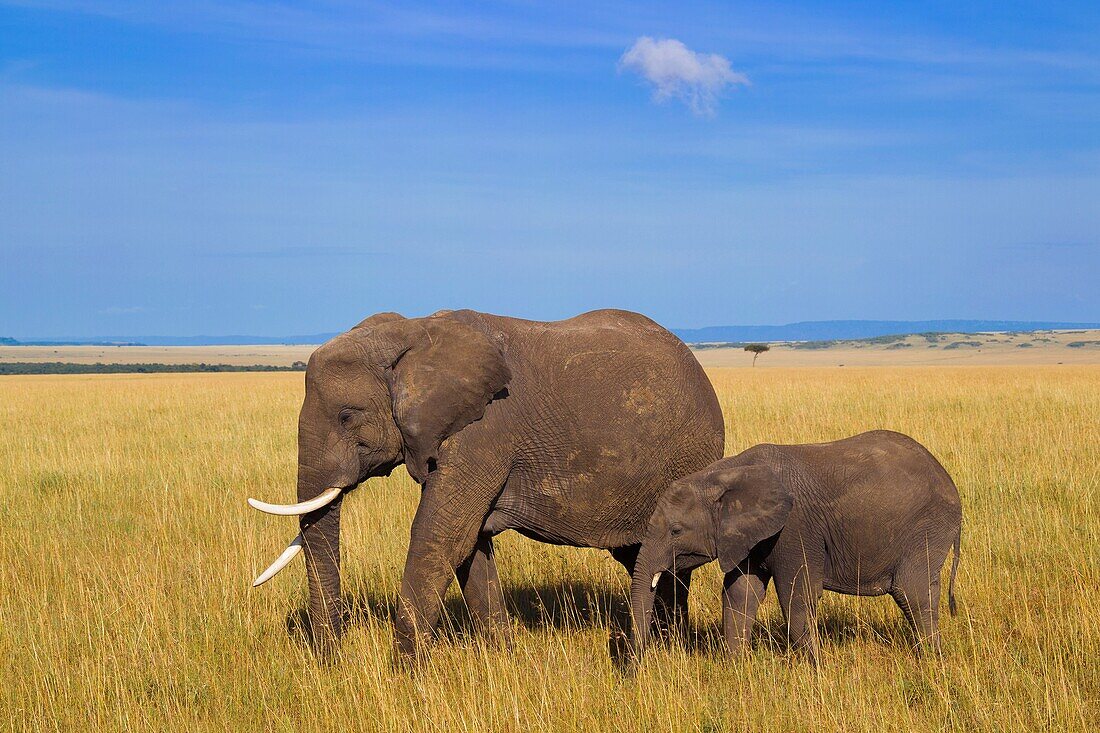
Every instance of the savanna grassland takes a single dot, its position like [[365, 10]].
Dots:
[[127, 551]]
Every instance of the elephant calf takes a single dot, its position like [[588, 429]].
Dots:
[[868, 515]]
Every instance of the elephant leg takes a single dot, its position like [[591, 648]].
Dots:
[[670, 611], [428, 573], [918, 596], [798, 597], [477, 576], [742, 591], [444, 534], [620, 616]]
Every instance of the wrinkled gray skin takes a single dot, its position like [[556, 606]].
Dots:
[[868, 515], [566, 432]]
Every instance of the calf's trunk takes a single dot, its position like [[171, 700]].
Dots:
[[642, 593]]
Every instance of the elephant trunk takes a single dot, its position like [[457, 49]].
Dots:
[[321, 542], [642, 593]]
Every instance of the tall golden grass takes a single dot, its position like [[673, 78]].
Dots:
[[126, 552]]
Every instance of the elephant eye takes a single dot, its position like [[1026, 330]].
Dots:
[[676, 530], [346, 416]]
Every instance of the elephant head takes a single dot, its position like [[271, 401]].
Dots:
[[721, 514], [387, 392]]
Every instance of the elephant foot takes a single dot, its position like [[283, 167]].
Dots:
[[404, 663], [621, 651], [806, 650], [738, 646], [406, 659], [499, 635], [327, 656], [410, 647], [928, 649], [324, 642], [493, 626]]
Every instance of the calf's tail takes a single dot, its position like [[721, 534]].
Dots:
[[951, 606]]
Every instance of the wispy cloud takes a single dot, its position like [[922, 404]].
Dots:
[[675, 71], [117, 310], [1051, 246], [312, 252], [402, 34], [534, 37]]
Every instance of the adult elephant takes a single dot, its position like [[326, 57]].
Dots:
[[565, 431]]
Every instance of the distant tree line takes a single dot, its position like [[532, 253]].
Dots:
[[63, 367], [8, 341]]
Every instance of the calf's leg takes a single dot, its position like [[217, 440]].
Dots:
[[742, 591], [916, 590], [798, 595]]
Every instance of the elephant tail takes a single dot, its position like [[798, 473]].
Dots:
[[951, 606]]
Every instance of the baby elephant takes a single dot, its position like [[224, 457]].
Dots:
[[868, 515]]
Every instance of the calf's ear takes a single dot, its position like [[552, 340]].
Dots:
[[753, 505]]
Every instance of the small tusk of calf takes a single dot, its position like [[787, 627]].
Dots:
[[283, 560], [325, 498], [656, 577]]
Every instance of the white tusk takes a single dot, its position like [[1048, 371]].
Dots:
[[656, 577], [287, 510], [283, 560]]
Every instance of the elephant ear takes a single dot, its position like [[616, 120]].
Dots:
[[753, 505], [441, 383]]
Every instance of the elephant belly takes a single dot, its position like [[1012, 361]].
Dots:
[[847, 556], [864, 587], [859, 567], [582, 509]]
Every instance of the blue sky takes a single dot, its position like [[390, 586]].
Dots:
[[241, 167]]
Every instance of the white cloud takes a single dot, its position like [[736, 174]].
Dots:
[[675, 71]]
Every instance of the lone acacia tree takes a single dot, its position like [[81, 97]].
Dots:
[[757, 350]]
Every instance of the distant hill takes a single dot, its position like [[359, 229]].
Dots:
[[802, 331], [833, 330], [317, 338]]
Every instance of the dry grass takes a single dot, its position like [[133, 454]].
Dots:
[[127, 550]]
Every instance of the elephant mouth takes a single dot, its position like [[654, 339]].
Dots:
[[690, 561], [374, 465], [681, 561]]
